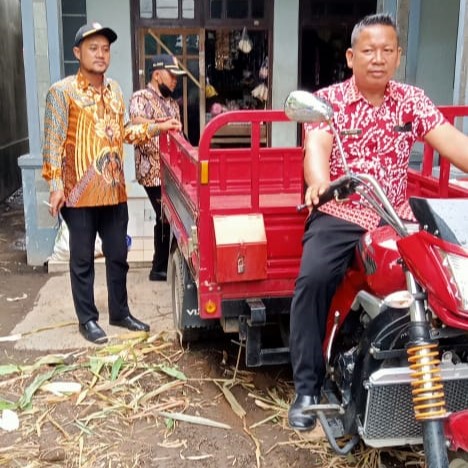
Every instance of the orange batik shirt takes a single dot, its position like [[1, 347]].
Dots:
[[84, 132]]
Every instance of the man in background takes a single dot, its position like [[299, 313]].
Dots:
[[156, 104]]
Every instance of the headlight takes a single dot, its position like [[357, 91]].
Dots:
[[457, 268]]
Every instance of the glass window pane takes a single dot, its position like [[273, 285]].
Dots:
[[146, 8], [77, 7], [193, 104], [71, 24], [150, 45], [258, 9], [167, 9], [216, 9], [188, 9], [71, 68], [318, 8], [148, 68], [341, 9], [173, 42], [237, 9], [192, 44]]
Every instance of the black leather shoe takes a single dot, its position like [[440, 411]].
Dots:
[[91, 331], [157, 275], [299, 420], [131, 323]]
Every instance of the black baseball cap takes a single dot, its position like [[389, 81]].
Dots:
[[94, 28], [167, 62]]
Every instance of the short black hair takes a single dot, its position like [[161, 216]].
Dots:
[[382, 19]]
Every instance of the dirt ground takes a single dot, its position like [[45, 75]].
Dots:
[[133, 397]]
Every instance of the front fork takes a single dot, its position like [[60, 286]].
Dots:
[[427, 387]]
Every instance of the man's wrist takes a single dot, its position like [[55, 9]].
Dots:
[[153, 129], [55, 185]]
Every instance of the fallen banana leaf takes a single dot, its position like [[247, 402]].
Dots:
[[236, 407], [193, 419], [25, 400]]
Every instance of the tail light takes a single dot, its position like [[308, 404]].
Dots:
[[456, 267]]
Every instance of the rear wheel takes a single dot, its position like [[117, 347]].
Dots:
[[184, 299]]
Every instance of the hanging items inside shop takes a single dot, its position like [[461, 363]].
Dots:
[[210, 90], [245, 44], [223, 51], [236, 64], [260, 91], [263, 73]]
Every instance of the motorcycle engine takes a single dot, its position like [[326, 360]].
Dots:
[[343, 373]]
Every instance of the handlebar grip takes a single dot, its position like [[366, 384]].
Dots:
[[338, 189]]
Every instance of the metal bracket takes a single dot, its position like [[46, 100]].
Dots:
[[257, 312]]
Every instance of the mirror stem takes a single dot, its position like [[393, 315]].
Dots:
[[340, 147]]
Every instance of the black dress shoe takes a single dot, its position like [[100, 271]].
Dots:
[[157, 275], [131, 323], [299, 420], [91, 331]]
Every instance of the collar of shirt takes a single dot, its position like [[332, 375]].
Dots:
[[352, 93], [84, 84]]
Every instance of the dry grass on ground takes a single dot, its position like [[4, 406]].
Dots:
[[122, 406]]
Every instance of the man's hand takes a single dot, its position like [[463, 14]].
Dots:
[[313, 192], [170, 124], [56, 200]]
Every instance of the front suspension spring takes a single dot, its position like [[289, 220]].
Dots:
[[428, 390]]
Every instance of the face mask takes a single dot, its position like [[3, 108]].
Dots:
[[165, 91]]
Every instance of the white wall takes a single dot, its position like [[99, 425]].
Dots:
[[285, 65], [437, 49]]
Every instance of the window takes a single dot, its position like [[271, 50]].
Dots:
[[236, 9], [73, 17], [167, 9]]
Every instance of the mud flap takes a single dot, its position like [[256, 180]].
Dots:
[[184, 294]]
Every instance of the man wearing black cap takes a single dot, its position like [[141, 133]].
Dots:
[[155, 104], [84, 132]]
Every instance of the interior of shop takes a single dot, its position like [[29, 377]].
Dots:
[[236, 70]]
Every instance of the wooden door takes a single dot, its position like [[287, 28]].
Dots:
[[188, 46]]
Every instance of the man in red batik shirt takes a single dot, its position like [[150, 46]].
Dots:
[[379, 120]]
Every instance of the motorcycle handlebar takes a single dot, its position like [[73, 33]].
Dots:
[[339, 189]]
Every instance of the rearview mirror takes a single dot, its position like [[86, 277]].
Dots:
[[302, 106]]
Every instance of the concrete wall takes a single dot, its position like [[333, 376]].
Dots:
[[285, 66], [428, 34], [437, 49], [13, 120]]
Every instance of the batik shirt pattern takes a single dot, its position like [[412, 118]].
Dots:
[[147, 103], [84, 132], [376, 141]]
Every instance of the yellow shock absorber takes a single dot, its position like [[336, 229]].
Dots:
[[428, 390]]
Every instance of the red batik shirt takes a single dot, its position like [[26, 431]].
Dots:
[[376, 141]]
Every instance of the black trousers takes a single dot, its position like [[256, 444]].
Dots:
[[161, 231], [83, 225], [328, 248]]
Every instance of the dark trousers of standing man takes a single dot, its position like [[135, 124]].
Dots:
[[328, 247], [110, 222], [161, 232]]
